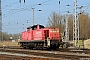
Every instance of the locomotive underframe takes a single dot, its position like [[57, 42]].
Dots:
[[40, 44]]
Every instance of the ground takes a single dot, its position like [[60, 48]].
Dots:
[[9, 43], [15, 43]]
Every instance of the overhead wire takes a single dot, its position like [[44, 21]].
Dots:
[[43, 2], [26, 8], [9, 5], [49, 2], [16, 10]]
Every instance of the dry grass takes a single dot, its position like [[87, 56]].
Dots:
[[87, 43], [9, 43]]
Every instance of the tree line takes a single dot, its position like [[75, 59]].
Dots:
[[6, 36], [58, 21]]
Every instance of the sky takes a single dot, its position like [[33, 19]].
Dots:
[[16, 16]]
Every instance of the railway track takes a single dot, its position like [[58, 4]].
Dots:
[[85, 51], [60, 53], [17, 47]]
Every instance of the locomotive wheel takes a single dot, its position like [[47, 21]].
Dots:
[[64, 45], [24, 47], [57, 47]]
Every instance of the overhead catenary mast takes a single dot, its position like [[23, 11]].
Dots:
[[59, 13], [59, 6], [0, 23], [33, 15], [75, 25], [32, 11], [66, 27]]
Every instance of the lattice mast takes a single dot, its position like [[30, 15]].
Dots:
[[75, 25], [66, 29], [0, 23]]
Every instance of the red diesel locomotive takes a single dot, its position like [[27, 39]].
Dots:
[[38, 36]]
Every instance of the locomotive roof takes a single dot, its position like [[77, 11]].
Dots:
[[35, 26]]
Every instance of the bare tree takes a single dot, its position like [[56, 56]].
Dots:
[[70, 26], [55, 20], [84, 25]]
